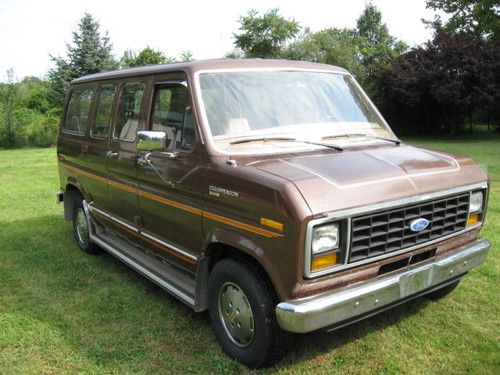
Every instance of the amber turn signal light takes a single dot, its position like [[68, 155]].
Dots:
[[271, 224], [323, 261], [473, 219]]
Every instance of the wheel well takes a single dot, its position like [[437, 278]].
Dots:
[[218, 251], [71, 195]]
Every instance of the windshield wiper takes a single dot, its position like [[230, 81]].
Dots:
[[338, 148], [267, 139], [262, 139], [344, 135], [395, 141]]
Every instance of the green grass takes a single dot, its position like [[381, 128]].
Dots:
[[65, 312]]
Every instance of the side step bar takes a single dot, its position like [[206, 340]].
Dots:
[[173, 281]]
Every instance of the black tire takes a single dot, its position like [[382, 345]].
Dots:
[[443, 292], [269, 342], [81, 232]]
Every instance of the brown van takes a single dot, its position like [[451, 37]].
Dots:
[[271, 193]]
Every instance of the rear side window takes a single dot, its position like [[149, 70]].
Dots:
[[103, 108], [172, 115], [129, 108], [78, 110]]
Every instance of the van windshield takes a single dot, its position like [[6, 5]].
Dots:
[[299, 105]]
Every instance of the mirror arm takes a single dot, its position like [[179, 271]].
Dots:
[[144, 161], [172, 154]]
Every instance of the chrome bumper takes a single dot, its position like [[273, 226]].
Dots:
[[367, 298]]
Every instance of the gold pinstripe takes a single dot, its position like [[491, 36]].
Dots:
[[194, 210]]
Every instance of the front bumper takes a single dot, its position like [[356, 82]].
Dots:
[[364, 299]]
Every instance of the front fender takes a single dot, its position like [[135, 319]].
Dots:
[[247, 245]]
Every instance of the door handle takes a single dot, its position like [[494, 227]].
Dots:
[[111, 154]]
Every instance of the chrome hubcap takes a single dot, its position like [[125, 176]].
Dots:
[[236, 314], [82, 227]]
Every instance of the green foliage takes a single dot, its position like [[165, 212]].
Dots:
[[480, 17], [89, 53], [329, 46], [187, 56], [265, 36], [377, 47], [370, 26], [364, 51], [26, 116], [150, 56], [8, 102], [35, 93], [147, 56]]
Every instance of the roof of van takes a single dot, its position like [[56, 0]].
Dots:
[[194, 66]]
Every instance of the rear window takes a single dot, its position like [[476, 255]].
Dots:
[[129, 108], [103, 108], [78, 110]]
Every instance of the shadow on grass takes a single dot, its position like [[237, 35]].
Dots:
[[310, 345], [127, 317]]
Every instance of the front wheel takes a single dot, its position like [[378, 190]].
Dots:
[[241, 306]]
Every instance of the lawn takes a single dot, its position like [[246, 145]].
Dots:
[[62, 311]]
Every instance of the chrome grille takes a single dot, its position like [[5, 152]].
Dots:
[[388, 231]]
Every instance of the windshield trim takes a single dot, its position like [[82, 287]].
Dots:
[[206, 124]]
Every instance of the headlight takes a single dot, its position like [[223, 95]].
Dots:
[[476, 201], [325, 238]]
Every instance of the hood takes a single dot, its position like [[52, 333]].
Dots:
[[352, 178]]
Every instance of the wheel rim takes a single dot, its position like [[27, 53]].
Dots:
[[236, 314], [82, 226]]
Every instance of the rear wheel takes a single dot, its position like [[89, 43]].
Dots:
[[443, 292], [81, 229], [241, 306]]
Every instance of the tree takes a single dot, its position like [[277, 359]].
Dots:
[[90, 52], [370, 26], [187, 56], [8, 99], [480, 17], [365, 51], [147, 56], [329, 46], [34, 93], [265, 36], [376, 45], [433, 88]]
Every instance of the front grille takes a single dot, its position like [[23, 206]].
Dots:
[[385, 232]]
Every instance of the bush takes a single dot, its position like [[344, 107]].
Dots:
[[26, 117], [32, 128], [42, 133]]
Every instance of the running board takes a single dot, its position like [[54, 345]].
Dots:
[[173, 281]]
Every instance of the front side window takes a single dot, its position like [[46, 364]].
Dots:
[[78, 110], [129, 109], [300, 105], [103, 108], [172, 114]]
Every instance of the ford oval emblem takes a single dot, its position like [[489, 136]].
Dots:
[[419, 224]]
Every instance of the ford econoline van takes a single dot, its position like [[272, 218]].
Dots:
[[271, 193]]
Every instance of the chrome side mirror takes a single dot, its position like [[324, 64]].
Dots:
[[151, 140]]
